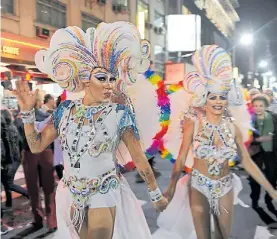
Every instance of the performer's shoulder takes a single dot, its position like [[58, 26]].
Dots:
[[120, 107], [61, 108], [64, 103]]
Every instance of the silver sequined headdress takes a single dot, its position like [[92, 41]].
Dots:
[[214, 74], [73, 54]]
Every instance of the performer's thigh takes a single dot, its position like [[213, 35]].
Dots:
[[200, 210], [101, 222], [223, 222], [83, 234]]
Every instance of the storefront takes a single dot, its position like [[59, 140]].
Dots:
[[18, 49], [17, 54]]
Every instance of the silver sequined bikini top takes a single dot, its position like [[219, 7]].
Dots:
[[203, 142]]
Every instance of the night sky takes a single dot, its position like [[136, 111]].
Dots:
[[256, 14]]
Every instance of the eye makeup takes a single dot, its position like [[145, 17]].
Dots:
[[214, 97], [103, 77]]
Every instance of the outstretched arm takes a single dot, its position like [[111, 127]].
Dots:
[[143, 167], [250, 166], [188, 130]]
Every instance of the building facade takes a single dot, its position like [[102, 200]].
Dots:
[[28, 25], [151, 22]]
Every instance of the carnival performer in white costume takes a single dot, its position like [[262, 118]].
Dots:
[[214, 138], [93, 200]]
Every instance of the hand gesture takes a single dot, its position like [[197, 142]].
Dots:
[[26, 98], [169, 193], [161, 204]]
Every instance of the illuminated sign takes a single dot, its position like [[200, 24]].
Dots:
[[189, 39], [10, 50]]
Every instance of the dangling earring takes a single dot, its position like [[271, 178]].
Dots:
[[226, 113]]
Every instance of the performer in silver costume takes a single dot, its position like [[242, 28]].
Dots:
[[93, 199], [214, 138]]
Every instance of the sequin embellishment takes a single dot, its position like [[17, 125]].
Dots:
[[83, 188], [215, 156], [127, 121]]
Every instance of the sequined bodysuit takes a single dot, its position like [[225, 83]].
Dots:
[[215, 156]]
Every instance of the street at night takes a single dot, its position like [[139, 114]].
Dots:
[[247, 223], [153, 90]]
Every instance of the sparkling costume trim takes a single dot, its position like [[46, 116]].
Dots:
[[127, 121], [215, 156], [212, 189], [83, 188]]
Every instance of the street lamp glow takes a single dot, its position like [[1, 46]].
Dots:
[[263, 64], [246, 39]]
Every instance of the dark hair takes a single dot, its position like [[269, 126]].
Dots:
[[47, 97], [3, 121], [59, 100], [260, 97], [6, 116]]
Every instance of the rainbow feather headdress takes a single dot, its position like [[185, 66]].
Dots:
[[213, 75], [73, 54]]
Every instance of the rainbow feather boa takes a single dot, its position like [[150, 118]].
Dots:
[[163, 102]]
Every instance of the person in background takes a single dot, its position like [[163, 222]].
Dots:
[[252, 93], [4, 228], [48, 104], [14, 142], [58, 156], [6, 163], [263, 148], [272, 101], [38, 169]]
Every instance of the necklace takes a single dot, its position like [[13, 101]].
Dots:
[[88, 111], [73, 154], [225, 134]]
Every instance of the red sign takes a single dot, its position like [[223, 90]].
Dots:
[[174, 73]]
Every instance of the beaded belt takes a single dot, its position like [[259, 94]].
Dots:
[[212, 189], [83, 188]]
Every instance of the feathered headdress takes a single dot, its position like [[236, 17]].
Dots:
[[73, 54], [213, 74]]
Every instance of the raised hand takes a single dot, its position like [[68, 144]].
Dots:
[[26, 98]]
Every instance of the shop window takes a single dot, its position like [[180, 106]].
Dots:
[[89, 21], [159, 20], [159, 52], [142, 18], [51, 12], [7, 6]]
